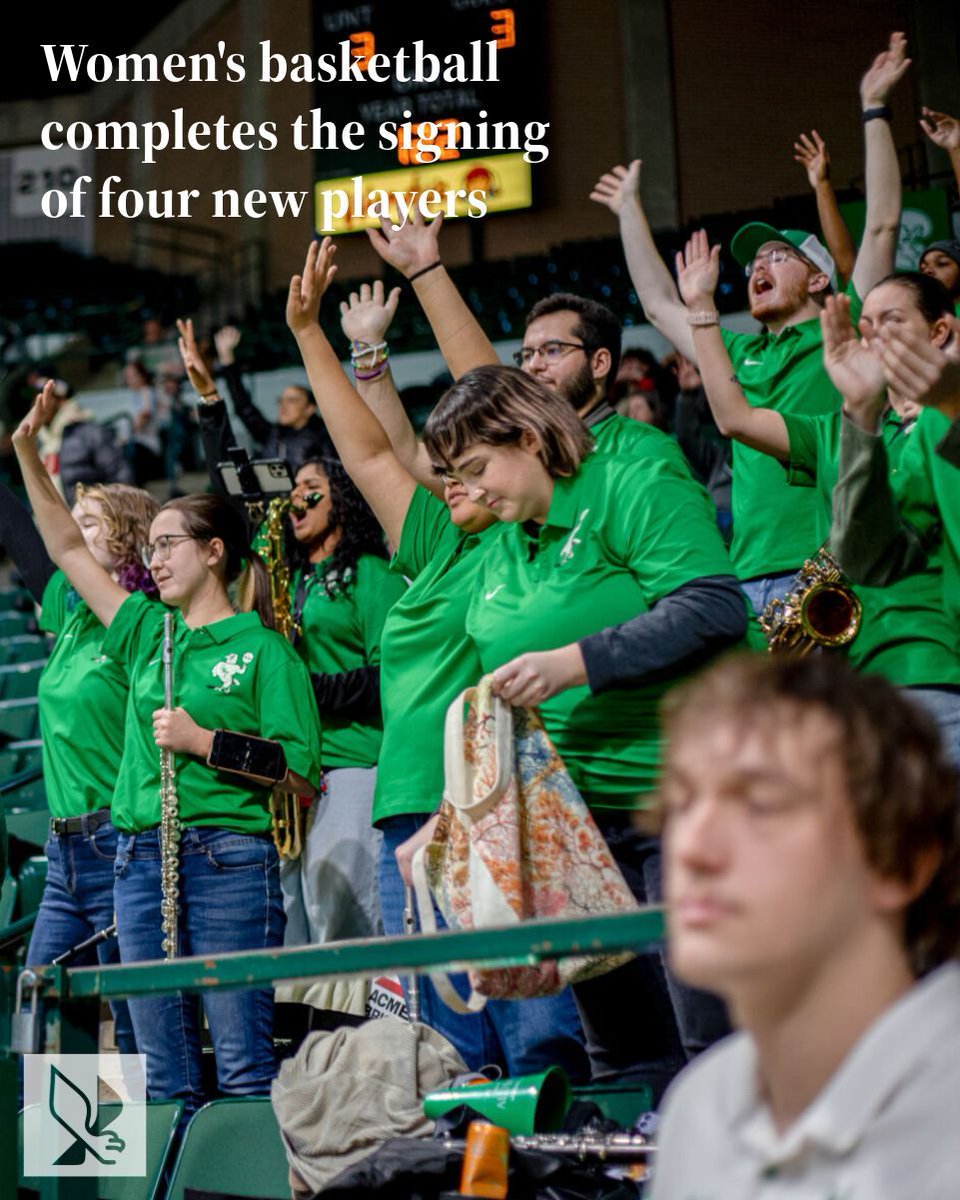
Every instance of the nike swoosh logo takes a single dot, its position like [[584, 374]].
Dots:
[[752, 362], [490, 595], [153, 662]]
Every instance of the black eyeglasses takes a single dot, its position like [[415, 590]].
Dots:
[[550, 352]]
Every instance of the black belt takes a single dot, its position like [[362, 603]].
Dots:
[[88, 823]]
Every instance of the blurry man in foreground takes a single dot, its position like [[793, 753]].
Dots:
[[812, 850]]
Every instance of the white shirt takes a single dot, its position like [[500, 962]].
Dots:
[[885, 1127]]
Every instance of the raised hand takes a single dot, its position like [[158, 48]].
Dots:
[[853, 364], [42, 412], [885, 72], [921, 372], [367, 315], [306, 290], [226, 341], [698, 270], [618, 185], [197, 370], [810, 151], [411, 248], [941, 129]]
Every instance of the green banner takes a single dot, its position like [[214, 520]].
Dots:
[[925, 219]]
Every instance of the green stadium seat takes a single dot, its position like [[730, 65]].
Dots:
[[31, 879], [13, 623], [18, 719], [232, 1146], [18, 681], [8, 900], [163, 1116]]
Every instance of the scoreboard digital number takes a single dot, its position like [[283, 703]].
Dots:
[[452, 133]]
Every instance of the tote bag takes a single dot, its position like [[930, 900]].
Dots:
[[514, 841]]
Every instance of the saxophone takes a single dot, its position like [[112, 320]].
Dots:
[[284, 806], [819, 610], [169, 814]]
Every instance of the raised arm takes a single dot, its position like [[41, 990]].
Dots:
[[365, 319], [619, 190], [414, 251], [810, 151], [216, 432], [943, 131], [60, 533], [878, 249], [698, 270], [226, 341], [359, 437]]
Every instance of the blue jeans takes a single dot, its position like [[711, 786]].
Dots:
[[762, 590], [521, 1036], [77, 903], [229, 900], [943, 704]]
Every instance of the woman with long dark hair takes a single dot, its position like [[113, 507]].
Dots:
[[235, 682], [341, 591]]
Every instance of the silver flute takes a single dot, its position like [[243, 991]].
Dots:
[[619, 1146], [169, 813]]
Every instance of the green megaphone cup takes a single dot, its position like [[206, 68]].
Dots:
[[523, 1104]]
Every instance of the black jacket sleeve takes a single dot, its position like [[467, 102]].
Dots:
[[351, 695], [20, 539], [216, 435], [678, 633], [243, 405]]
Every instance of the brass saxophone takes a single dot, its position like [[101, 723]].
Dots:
[[819, 610], [169, 814], [284, 806]]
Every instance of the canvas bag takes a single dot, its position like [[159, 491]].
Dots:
[[514, 841]]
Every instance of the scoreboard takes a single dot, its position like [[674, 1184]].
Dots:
[[449, 134]]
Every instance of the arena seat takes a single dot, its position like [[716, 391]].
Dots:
[[232, 1146]]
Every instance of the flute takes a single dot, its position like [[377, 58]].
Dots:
[[169, 813]]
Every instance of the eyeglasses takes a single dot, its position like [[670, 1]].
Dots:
[[160, 549], [550, 352], [769, 257]]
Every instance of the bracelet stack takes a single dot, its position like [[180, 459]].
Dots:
[[370, 362]]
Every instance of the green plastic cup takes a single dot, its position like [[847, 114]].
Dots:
[[524, 1104]]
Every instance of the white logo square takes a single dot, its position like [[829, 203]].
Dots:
[[84, 1114]]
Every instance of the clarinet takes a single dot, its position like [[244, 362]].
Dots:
[[169, 814]]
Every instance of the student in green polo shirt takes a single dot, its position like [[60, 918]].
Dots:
[[905, 632], [426, 660], [593, 598], [790, 273], [340, 592], [82, 698], [233, 680]]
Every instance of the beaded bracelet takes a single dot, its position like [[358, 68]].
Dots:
[[377, 373], [360, 350]]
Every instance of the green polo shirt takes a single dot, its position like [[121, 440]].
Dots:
[[775, 525], [905, 633], [615, 434], [426, 657], [619, 536], [82, 698], [233, 674], [340, 631]]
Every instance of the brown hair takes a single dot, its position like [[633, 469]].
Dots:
[[495, 406], [903, 790], [211, 516], [128, 513]]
